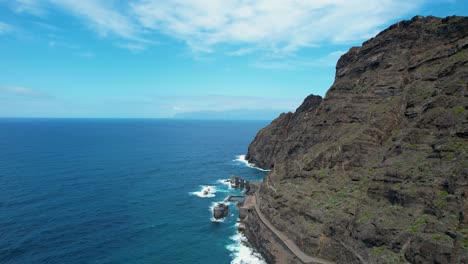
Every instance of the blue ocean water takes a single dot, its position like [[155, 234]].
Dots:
[[119, 191]]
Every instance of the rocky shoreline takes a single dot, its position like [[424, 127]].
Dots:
[[377, 170], [262, 239], [258, 234], [274, 246]]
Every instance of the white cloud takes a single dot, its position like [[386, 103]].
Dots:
[[279, 27], [180, 104], [47, 26], [33, 7], [328, 60], [22, 91], [133, 47], [60, 44], [87, 55], [102, 17], [275, 25], [5, 28], [240, 52]]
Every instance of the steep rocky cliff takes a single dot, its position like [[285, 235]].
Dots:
[[377, 171], [284, 135]]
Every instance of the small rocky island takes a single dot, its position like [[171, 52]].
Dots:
[[220, 211], [377, 170]]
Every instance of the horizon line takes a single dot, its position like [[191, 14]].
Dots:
[[136, 118]]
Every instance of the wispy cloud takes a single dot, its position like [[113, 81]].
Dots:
[[23, 92], [182, 104], [133, 47], [101, 16], [87, 55], [240, 52], [328, 60], [32, 7], [5, 28], [47, 26], [61, 44], [275, 26]]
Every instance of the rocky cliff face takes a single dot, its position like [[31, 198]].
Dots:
[[377, 171], [284, 135]]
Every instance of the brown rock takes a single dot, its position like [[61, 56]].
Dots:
[[379, 166]]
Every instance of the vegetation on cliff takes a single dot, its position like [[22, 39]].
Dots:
[[377, 170]]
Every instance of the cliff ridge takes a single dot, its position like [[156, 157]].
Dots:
[[377, 170]]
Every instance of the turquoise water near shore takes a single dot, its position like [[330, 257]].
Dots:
[[120, 191]]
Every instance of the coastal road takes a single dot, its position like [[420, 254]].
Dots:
[[288, 242]]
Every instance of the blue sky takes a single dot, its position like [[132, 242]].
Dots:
[[153, 59]]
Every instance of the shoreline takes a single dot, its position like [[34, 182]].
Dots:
[[273, 244], [262, 236]]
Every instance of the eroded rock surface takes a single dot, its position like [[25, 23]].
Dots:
[[377, 171]]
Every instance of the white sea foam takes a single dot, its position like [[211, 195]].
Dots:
[[211, 211], [206, 191], [241, 159], [241, 253], [226, 182]]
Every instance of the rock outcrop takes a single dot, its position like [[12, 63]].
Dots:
[[377, 170], [284, 135]]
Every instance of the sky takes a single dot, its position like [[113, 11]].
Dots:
[[163, 58]]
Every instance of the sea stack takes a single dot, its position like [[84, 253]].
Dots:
[[220, 211], [377, 170]]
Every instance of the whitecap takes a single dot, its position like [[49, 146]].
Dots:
[[206, 191], [226, 182], [241, 253], [213, 204], [241, 159], [214, 220]]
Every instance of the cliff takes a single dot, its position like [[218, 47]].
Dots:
[[377, 170]]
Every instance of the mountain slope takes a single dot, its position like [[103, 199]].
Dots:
[[377, 171]]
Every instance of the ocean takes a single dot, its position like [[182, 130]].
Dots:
[[121, 190]]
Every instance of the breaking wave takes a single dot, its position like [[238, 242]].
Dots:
[[207, 191], [211, 211], [241, 159], [241, 253], [226, 182]]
